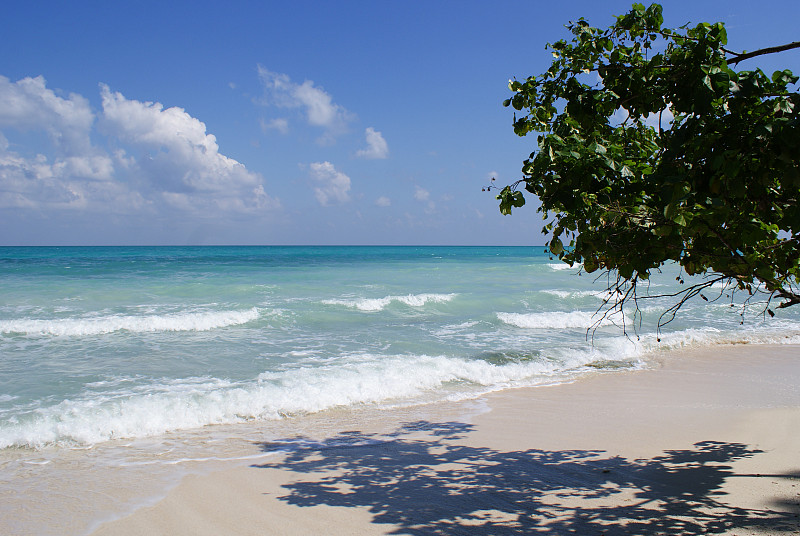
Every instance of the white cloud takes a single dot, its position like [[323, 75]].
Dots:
[[163, 157], [73, 172], [424, 196], [383, 201], [376, 145], [281, 125], [29, 105], [78, 183], [99, 168], [333, 185], [180, 157], [319, 108], [30, 183], [175, 139]]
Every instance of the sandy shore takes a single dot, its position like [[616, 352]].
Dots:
[[706, 443]]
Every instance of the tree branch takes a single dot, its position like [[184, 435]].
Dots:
[[738, 56], [791, 297], [769, 50]]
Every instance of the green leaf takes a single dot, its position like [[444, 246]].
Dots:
[[662, 230], [597, 148], [508, 199], [556, 247]]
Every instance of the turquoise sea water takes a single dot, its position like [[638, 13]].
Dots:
[[131, 342]]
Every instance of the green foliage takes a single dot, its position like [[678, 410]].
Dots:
[[652, 148]]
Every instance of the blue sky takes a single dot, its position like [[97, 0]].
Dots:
[[286, 123]]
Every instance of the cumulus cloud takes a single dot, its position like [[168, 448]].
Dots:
[[179, 156], [28, 105], [383, 201], [155, 156], [318, 106], [376, 145], [73, 171], [77, 183], [333, 186]]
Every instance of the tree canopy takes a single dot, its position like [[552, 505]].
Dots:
[[653, 148]]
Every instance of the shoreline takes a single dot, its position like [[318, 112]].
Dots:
[[708, 441]]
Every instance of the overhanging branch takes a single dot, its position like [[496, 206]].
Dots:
[[790, 297], [769, 50]]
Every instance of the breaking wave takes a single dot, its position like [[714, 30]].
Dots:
[[200, 321], [195, 402], [378, 304], [548, 320]]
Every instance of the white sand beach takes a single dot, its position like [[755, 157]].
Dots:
[[706, 442]]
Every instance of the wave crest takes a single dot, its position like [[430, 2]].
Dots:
[[201, 321], [378, 304], [192, 403], [548, 320], [558, 266]]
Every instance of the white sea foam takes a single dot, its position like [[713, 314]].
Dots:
[[378, 304], [778, 333], [187, 404], [328, 343], [199, 321], [153, 409], [622, 347], [576, 293], [464, 328], [549, 320], [562, 266]]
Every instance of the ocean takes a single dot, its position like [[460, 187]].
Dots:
[[125, 349], [104, 343]]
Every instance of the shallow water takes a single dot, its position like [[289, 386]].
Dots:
[[134, 342]]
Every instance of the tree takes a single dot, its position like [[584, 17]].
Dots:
[[653, 149]]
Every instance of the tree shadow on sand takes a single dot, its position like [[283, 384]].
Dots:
[[422, 481]]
